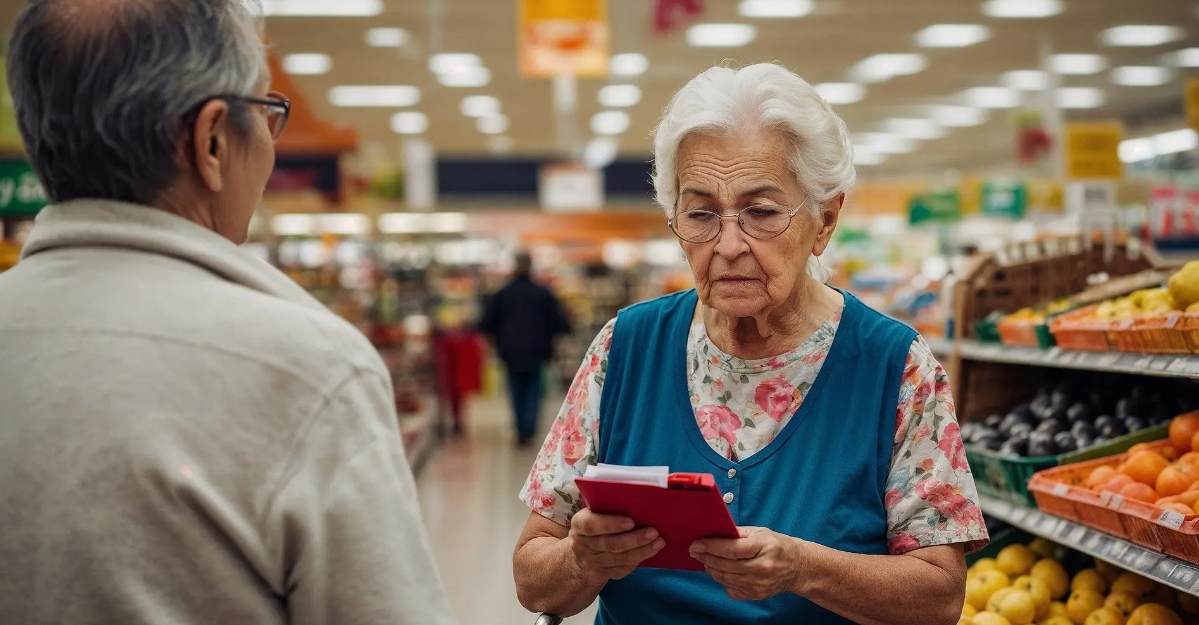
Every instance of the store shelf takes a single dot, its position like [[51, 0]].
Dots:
[[1157, 365], [420, 433], [1164, 569], [940, 347]]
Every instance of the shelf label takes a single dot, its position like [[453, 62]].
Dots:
[[1171, 519], [1178, 366], [1105, 497], [1161, 363], [1060, 489], [1077, 533], [1107, 361], [1117, 501]]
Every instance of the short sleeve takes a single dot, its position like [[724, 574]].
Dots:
[[931, 498], [573, 441]]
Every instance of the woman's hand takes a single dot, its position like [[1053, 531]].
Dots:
[[607, 547], [759, 565]]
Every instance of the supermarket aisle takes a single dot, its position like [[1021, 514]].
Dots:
[[468, 492]]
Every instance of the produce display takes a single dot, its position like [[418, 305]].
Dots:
[[1042, 314], [1066, 417], [1045, 584], [1166, 476], [1144, 302]]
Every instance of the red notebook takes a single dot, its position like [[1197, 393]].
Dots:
[[688, 509]]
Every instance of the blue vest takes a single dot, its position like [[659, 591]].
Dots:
[[822, 479]]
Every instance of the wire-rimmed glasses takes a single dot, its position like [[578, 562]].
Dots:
[[278, 109], [762, 221]]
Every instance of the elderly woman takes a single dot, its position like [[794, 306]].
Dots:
[[185, 435], [829, 427]]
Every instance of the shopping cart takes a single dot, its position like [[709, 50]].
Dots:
[[548, 619]]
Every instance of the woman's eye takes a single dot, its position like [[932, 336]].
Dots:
[[698, 215], [763, 211]]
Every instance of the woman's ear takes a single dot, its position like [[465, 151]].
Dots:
[[829, 217], [210, 144]]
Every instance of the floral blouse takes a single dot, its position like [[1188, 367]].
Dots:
[[740, 405]]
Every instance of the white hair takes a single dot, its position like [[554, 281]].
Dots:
[[764, 96]]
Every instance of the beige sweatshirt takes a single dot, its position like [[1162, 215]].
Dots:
[[186, 437]]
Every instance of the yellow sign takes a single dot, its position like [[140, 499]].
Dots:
[[1093, 150], [564, 37], [1192, 99]]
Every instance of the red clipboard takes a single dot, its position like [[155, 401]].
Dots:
[[688, 509]]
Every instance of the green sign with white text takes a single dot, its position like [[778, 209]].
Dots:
[[21, 194], [1006, 200]]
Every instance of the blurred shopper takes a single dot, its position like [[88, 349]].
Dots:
[[829, 427], [523, 318], [185, 435]]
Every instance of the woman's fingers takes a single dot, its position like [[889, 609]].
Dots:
[[619, 543], [588, 523], [629, 558]]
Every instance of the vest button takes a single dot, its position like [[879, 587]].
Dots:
[[728, 497], [732, 473]]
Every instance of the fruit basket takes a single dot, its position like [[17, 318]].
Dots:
[[1161, 334], [1080, 330]]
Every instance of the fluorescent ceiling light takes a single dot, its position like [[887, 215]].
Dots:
[[322, 8], [345, 224], [775, 8], [609, 122], [864, 156], [293, 225], [479, 106], [991, 97], [885, 143], [1141, 76], [619, 96], [629, 64], [1078, 64], [414, 223], [1134, 150], [1175, 141], [499, 144], [409, 123], [493, 124], [1026, 80], [452, 62], [883, 67], [923, 129], [1022, 8], [600, 152], [468, 78], [1188, 57], [959, 116], [720, 35], [952, 35], [841, 92], [1080, 97], [307, 64], [1141, 35], [375, 95], [387, 37]]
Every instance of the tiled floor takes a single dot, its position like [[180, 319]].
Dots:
[[468, 491]]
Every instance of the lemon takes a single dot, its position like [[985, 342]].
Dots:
[[1056, 620], [1154, 614], [989, 618], [1039, 591], [968, 611], [1122, 602], [1133, 584], [1043, 548], [997, 597], [1057, 609], [979, 589], [1054, 575], [1105, 616], [1015, 560], [1081, 604], [1089, 579], [1018, 607], [985, 564], [1110, 571]]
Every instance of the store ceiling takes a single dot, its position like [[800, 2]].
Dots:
[[822, 47]]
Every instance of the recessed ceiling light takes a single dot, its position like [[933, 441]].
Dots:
[[619, 96], [885, 143], [1026, 80], [629, 64], [375, 95], [952, 35], [1141, 35], [912, 128], [307, 64], [1022, 8], [492, 124], [1134, 150], [409, 123], [720, 35], [468, 78], [841, 92], [863, 155], [322, 8], [1188, 57], [479, 106], [1078, 64], [453, 62], [387, 37], [600, 152], [883, 67], [959, 116], [1141, 76], [991, 97], [609, 122], [1175, 141], [775, 8], [1080, 97]]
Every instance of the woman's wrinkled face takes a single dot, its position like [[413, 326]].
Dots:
[[735, 274]]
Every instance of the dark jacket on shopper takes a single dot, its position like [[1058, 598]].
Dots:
[[523, 318]]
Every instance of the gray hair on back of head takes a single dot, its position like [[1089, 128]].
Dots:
[[103, 88], [768, 97]]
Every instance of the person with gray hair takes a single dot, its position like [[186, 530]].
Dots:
[[185, 435], [828, 427]]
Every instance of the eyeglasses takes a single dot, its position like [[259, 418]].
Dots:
[[760, 222], [278, 109]]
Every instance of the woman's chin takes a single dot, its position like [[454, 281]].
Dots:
[[737, 307]]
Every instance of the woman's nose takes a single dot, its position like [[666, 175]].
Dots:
[[731, 243]]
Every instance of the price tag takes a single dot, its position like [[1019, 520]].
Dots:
[[1077, 533], [1178, 366], [1105, 497], [1093, 541], [1183, 576], [1171, 519], [1060, 489], [1117, 501]]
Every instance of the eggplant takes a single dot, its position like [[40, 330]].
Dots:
[[1135, 424], [1082, 429], [1065, 442], [1080, 412]]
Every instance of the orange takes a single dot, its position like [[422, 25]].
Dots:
[[1195, 442], [1139, 447], [1169, 453], [1117, 482], [1174, 479], [1187, 498], [1182, 429], [1145, 466], [1177, 507], [1139, 492], [1154, 614], [1101, 475], [1190, 457]]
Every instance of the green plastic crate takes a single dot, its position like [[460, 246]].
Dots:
[[987, 331]]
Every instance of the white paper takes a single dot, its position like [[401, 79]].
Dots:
[[652, 476]]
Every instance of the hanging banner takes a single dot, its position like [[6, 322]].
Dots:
[[10, 138], [1005, 200], [1191, 96], [939, 205], [21, 194], [564, 38], [1093, 150]]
